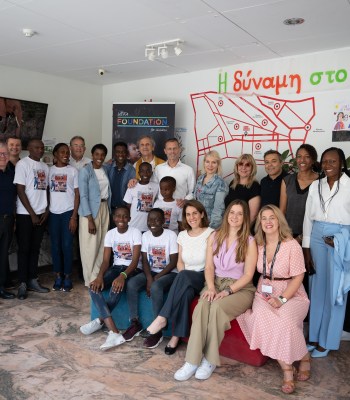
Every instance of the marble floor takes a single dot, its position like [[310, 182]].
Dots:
[[43, 355]]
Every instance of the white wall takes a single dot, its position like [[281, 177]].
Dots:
[[74, 107], [178, 88]]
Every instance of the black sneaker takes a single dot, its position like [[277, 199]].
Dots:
[[35, 286], [57, 286], [134, 330], [153, 341]]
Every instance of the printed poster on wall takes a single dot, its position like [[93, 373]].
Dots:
[[133, 120]]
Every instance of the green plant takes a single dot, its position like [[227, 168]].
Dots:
[[290, 165], [348, 162]]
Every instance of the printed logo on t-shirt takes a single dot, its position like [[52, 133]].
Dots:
[[122, 250], [58, 183], [39, 179], [144, 201], [167, 216], [156, 257]]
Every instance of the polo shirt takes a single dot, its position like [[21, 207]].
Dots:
[[271, 189]]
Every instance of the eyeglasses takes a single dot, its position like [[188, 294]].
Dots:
[[241, 164], [4, 154]]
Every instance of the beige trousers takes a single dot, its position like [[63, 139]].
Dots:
[[92, 246], [211, 320]]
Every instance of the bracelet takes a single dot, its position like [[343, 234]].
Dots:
[[124, 274], [228, 290], [75, 219]]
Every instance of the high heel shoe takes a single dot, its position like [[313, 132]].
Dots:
[[304, 374], [288, 387]]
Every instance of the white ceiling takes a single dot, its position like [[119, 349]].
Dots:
[[77, 37]]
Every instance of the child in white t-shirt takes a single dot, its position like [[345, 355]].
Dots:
[[172, 213], [141, 197], [64, 203], [159, 258], [125, 242]]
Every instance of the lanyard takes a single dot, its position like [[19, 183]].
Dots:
[[272, 262]]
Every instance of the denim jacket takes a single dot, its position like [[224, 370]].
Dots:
[[89, 189], [212, 196]]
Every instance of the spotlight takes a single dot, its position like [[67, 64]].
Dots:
[[163, 51], [150, 53], [177, 49]]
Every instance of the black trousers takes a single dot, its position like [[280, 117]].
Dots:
[[183, 290], [29, 238], [6, 232]]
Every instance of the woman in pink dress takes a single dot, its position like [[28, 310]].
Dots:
[[275, 323]]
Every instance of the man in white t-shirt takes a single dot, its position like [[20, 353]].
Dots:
[[183, 174], [31, 178], [77, 150]]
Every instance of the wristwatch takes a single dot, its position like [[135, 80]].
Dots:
[[228, 290], [282, 299]]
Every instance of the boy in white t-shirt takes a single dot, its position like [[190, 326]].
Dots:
[[141, 197], [125, 242], [159, 258], [172, 212], [31, 178]]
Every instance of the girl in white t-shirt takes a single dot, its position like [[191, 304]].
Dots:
[[64, 203]]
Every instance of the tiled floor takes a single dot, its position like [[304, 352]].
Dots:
[[44, 356]]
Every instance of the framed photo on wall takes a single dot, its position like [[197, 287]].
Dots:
[[21, 118]]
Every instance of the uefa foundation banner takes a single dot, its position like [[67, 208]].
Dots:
[[133, 120]]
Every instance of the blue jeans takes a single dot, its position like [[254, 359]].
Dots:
[[106, 306], [158, 288], [61, 242]]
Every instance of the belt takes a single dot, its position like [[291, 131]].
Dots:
[[276, 279], [102, 200]]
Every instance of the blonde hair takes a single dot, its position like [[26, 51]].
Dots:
[[249, 158], [284, 231], [243, 234], [216, 156]]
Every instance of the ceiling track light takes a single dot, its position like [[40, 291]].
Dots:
[[162, 49]]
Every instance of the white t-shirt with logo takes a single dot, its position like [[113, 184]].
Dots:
[[141, 198], [172, 214], [34, 176], [62, 182], [122, 245], [159, 248]]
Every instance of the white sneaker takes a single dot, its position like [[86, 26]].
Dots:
[[113, 340], [205, 369], [91, 327], [345, 336], [185, 372]]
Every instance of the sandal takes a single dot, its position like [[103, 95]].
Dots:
[[288, 387], [304, 374]]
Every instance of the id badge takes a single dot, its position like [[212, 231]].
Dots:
[[266, 289]]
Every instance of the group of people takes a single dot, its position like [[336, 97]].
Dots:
[[172, 233]]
